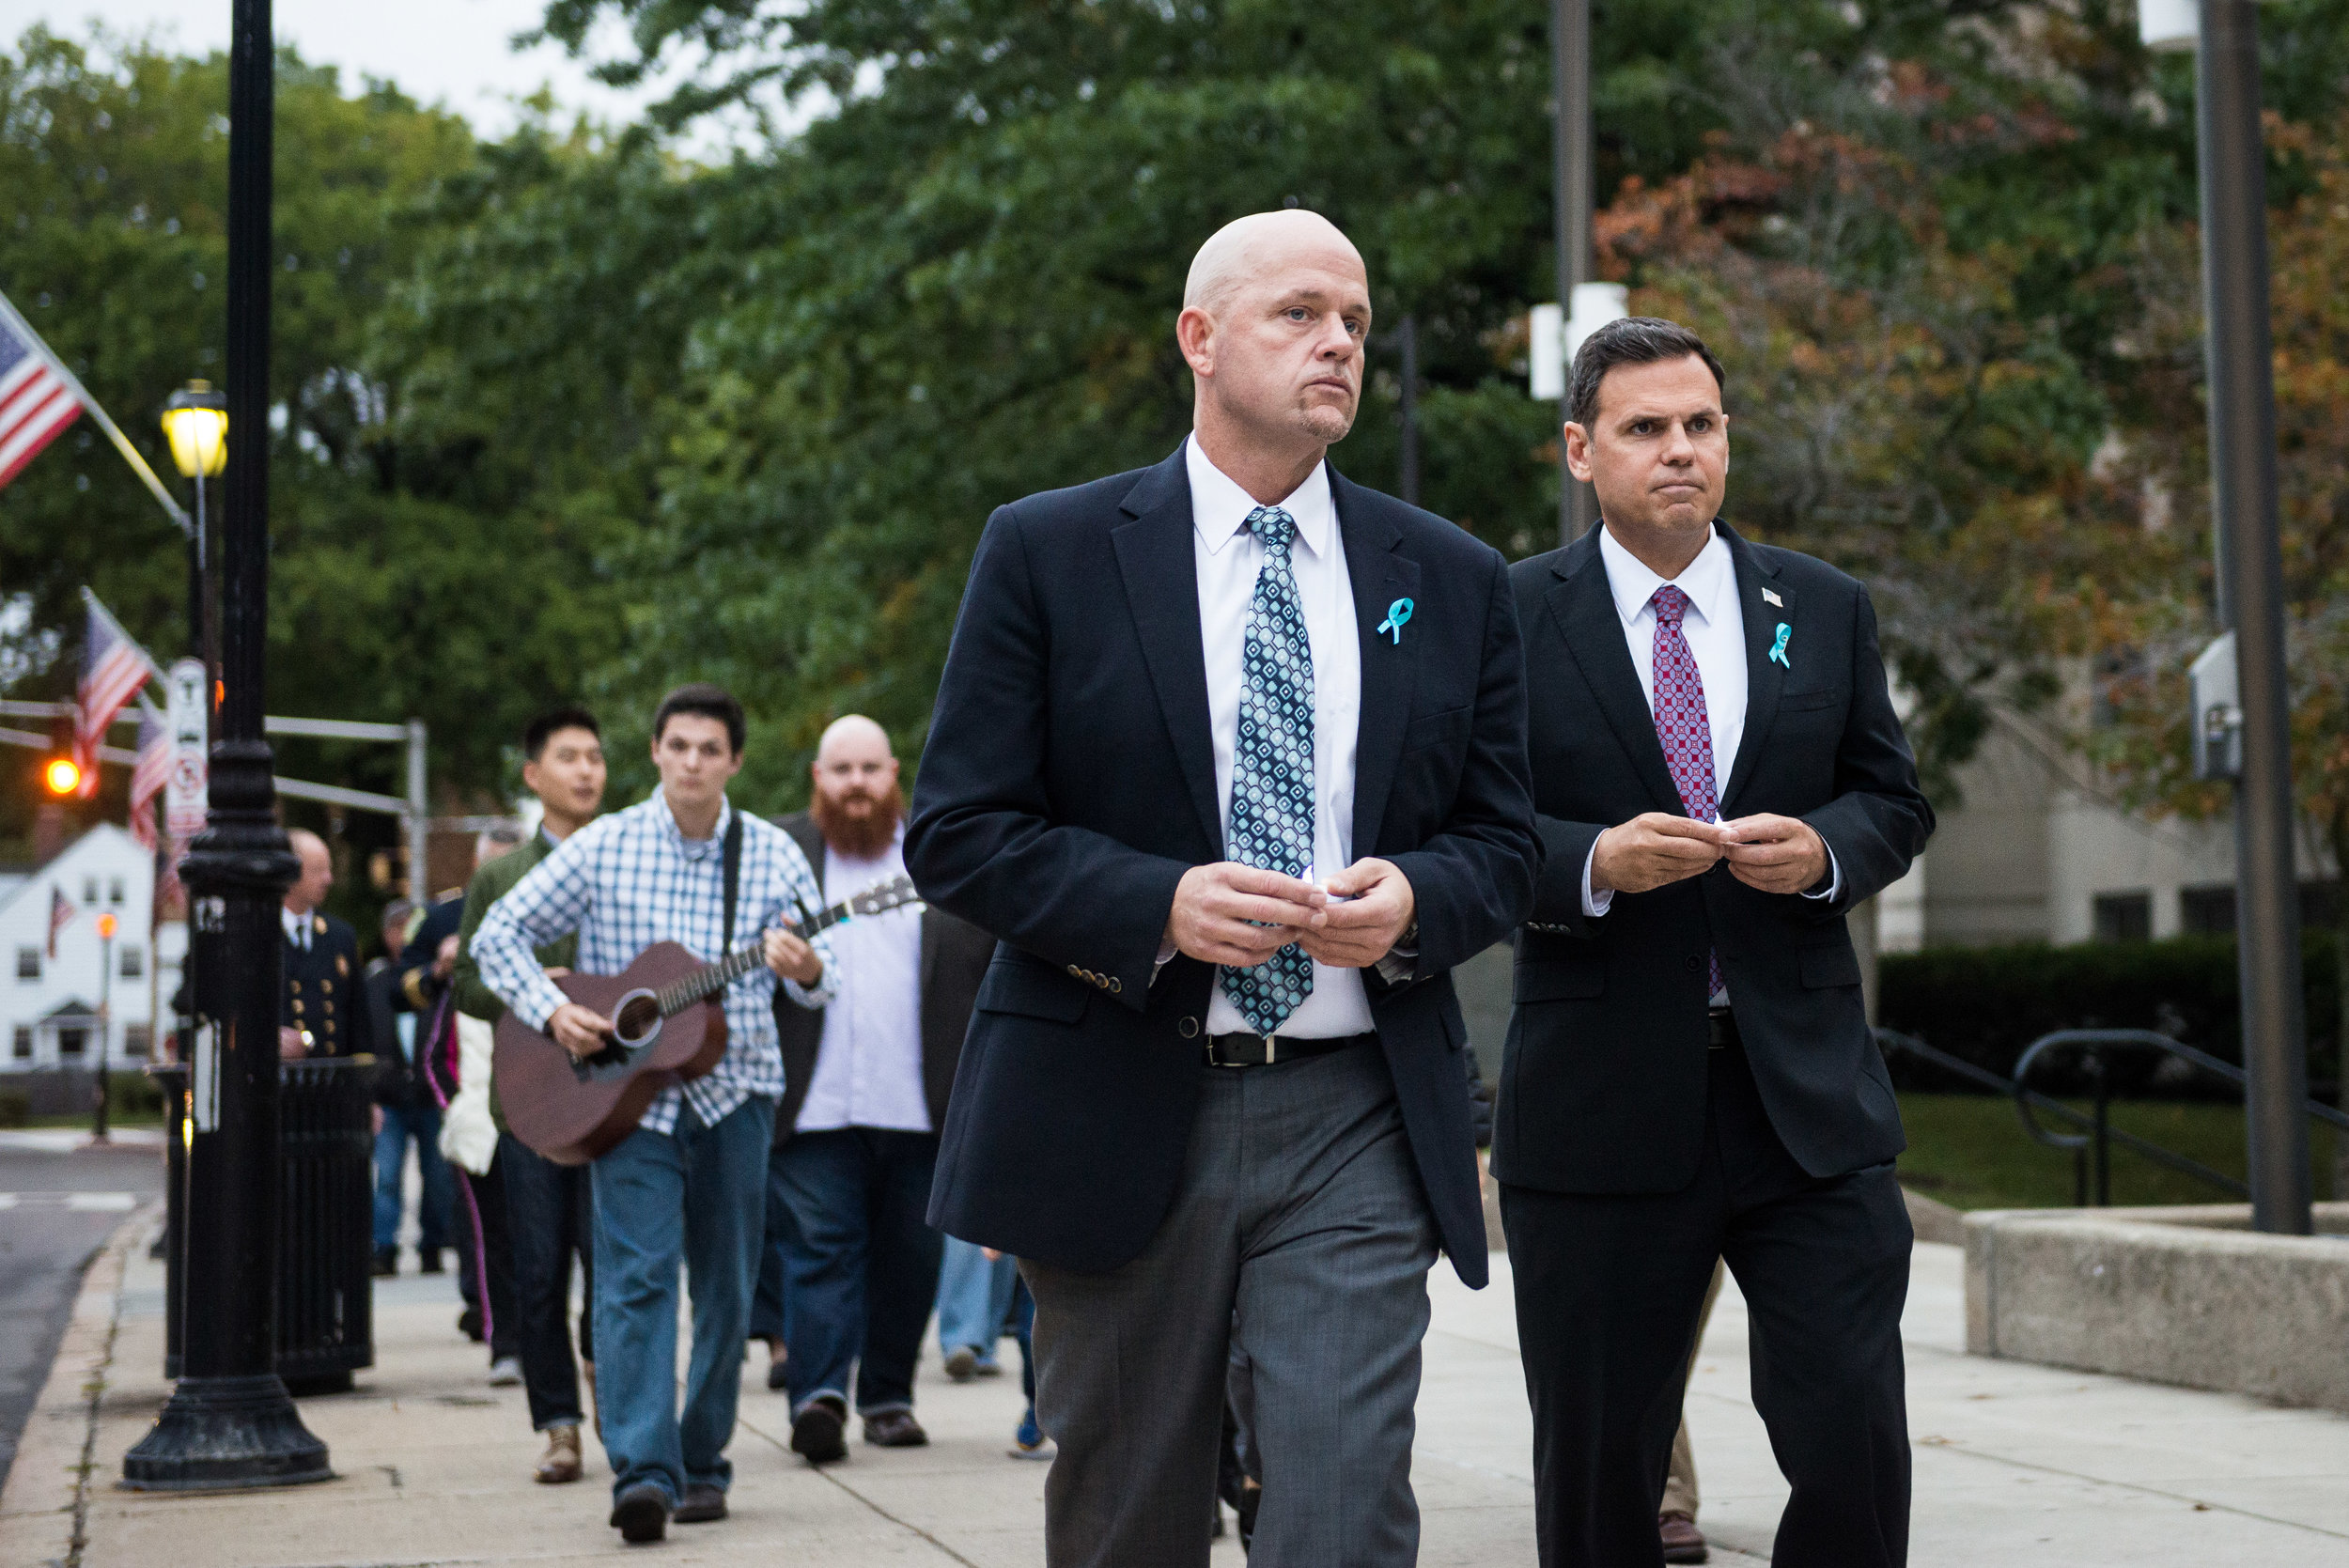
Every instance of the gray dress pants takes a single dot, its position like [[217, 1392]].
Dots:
[[1300, 1227]]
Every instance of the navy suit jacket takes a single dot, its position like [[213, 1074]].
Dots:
[[1068, 783], [1603, 1080]]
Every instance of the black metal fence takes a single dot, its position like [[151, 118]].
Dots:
[[325, 1244]]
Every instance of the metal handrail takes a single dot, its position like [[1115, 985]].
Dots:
[[2101, 1136], [2091, 1148]]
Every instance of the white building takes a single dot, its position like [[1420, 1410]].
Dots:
[[2040, 850], [49, 1005]]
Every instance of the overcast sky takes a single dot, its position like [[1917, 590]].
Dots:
[[453, 52]]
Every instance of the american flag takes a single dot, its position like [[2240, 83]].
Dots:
[[36, 401], [60, 915], [151, 774], [113, 670]]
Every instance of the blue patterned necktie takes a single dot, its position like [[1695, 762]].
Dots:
[[1272, 764]]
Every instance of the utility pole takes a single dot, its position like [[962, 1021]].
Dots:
[[2233, 162], [98, 1132], [1407, 341], [230, 1422], [1570, 78]]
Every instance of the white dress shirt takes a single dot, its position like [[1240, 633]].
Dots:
[[1228, 557], [1715, 627], [298, 928], [868, 1065]]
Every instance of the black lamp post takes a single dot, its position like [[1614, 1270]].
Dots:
[[2240, 356], [196, 422], [230, 1422]]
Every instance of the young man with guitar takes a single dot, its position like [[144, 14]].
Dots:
[[688, 1183], [550, 1210]]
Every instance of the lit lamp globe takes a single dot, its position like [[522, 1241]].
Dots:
[[195, 421]]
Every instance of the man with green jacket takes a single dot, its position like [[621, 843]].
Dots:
[[549, 1206]]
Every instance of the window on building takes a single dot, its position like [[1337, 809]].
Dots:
[[2208, 911], [2320, 906], [2123, 917], [72, 1041], [133, 962], [115, 891], [89, 889], [29, 962], [137, 1039], [23, 1045]]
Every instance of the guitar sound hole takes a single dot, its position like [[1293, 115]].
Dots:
[[637, 1019]]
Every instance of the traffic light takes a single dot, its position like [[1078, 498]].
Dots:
[[60, 774]]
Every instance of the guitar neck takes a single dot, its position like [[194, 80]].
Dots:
[[710, 979]]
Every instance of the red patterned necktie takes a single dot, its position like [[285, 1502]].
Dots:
[[1682, 725]]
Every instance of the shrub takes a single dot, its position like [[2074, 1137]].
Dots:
[[16, 1107], [1986, 1004]]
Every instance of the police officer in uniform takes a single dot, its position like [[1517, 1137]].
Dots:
[[324, 1013]]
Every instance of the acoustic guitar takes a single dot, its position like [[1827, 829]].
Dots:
[[669, 1025]]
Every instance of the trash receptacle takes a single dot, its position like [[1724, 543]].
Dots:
[[326, 1220]]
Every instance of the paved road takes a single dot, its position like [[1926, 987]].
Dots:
[[57, 1205]]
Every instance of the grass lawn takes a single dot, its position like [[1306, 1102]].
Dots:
[[1971, 1151]]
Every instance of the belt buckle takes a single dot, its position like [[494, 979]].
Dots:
[[1270, 1050]]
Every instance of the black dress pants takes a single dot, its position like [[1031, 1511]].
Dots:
[[551, 1212], [1609, 1287]]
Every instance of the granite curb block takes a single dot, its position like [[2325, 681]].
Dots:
[[2187, 1295], [48, 1490]]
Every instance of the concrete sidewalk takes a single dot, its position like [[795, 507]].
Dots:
[[2015, 1464]]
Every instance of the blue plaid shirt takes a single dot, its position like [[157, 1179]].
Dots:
[[630, 879]]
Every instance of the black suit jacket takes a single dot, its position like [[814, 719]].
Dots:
[[1603, 1079], [955, 956], [1068, 784], [322, 989]]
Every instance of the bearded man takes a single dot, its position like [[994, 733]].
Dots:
[[856, 1139]]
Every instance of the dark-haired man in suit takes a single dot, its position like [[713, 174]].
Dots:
[[1229, 753], [1719, 777]]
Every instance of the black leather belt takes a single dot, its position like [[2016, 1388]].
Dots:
[[1262, 1051], [1721, 1026]]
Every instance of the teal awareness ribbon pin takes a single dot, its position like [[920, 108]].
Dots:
[[1778, 649], [1399, 612]]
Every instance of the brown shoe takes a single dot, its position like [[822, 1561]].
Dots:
[[560, 1463], [894, 1429], [1683, 1540]]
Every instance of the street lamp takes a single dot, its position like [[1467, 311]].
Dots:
[[230, 1422], [196, 422]]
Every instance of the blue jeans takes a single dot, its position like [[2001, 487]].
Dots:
[[695, 1197], [423, 1124], [860, 1263], [974, 1297], [766, 1301]]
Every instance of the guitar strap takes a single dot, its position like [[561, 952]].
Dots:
[[734, 878]]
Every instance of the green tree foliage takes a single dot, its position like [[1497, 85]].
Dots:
[[415, 563]]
